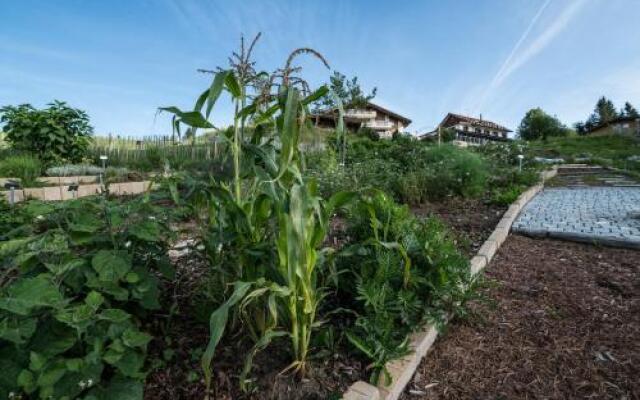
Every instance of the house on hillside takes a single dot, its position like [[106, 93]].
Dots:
[[472, 131], [379, 119], [618, 126]]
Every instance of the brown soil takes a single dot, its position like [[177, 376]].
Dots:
[[472, 220], [565, 325], [183, 331]]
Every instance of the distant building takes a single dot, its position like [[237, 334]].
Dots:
[[372, 116], [473, 131], [618, 126]]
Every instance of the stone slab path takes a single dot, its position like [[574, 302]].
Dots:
[[605, 215]]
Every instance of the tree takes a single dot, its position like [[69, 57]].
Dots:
[[56, 133], [604, 111], [347, 90], [629, 111], [537, 124]]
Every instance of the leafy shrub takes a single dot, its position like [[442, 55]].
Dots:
[[73, 170], [24, 167], [405, 272], [72, 296], [448, 170], [57, 133], [506, 196]]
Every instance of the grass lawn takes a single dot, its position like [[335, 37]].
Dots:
[[610, 150]]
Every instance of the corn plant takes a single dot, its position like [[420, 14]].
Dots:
[[267, 206]]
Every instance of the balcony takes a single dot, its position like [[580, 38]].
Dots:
[[379, 125], [359, 114]]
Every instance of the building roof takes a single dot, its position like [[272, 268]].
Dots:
[[452, 119], [369, 104], [618, 120]]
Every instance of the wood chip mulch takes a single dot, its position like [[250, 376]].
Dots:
[[565, 325]]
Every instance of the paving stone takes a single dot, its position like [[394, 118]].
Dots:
[[600, 214]]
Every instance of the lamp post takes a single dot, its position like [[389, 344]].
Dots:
[[12, 186], [104, 159], [520, 157]]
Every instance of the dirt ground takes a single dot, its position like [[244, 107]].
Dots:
[[565, 324]]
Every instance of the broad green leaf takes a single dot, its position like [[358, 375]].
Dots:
[[135, 338], [36, 361], [27, 381], [114, 315], [17, 330], [86, 222], [111, 265], [130, 364], [28, 294], [146, 230], [195, 119]]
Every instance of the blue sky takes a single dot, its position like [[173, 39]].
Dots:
[[120, 60]]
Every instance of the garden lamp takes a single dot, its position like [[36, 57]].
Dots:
[[520, 157], [73, 188], [12, 186], [104, 159]]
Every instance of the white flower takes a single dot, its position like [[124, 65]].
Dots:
[[89, 382], [82, 384], [151, 217], [128, 244], [39, 217]]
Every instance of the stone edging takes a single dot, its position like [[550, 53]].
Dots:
[[58, 193], [401, 370]]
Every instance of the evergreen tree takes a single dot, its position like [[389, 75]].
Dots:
[[605, 111], [347, 90], [629, 111]]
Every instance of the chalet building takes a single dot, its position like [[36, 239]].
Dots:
[[472, 131], [618, 126], [372, 116]]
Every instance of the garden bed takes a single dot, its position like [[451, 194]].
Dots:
[[565, 324], [472, 219]]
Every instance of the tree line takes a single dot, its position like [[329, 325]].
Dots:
[[537, 124]]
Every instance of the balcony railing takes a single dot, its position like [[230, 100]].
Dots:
[[360, 114], [375, 124]]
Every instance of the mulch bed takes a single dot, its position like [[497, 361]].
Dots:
[[565, 325], [471, 220]]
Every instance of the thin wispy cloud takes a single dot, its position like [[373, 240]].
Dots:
[[520, 56]]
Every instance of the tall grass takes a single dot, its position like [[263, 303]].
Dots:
[[25, 167]]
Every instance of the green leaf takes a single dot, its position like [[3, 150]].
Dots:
[[36, 361], [114, 315], [51, 375], [214, 91], [17, 330], [86, 222], [146, 230], [121, 388], [111, 265], [28, 294], [135, 338], [317, 94], [130, 364], [27, 381], [232, 84], [217, 325]]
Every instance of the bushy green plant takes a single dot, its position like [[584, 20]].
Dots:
[[72, 296], [56, 133], [449, 170], [24, 167], [406, 271]]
